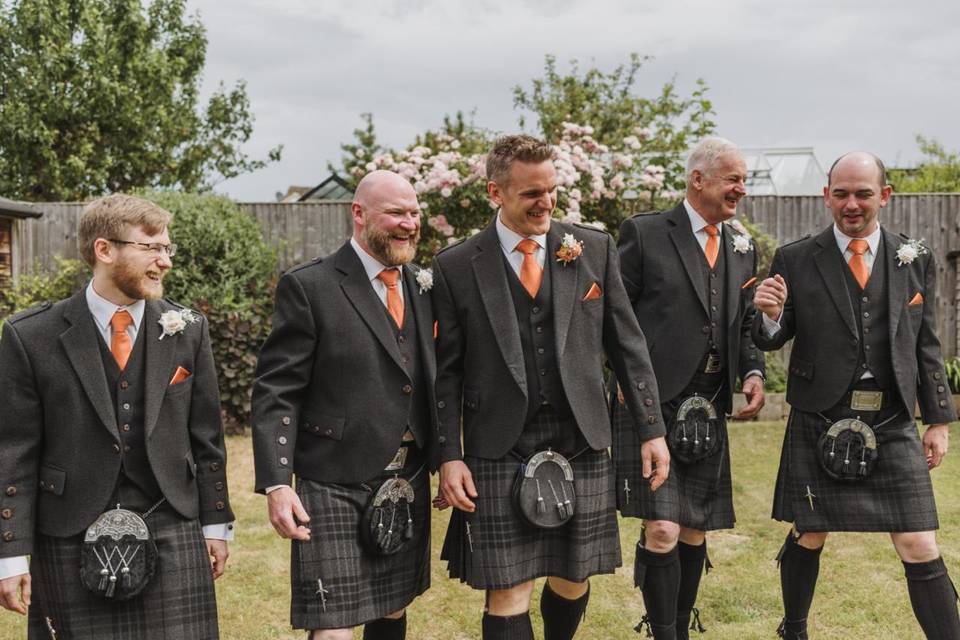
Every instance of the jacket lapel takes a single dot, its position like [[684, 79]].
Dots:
[[829, 262], [733, 262], [689, 251], [79, 343], [490, 273], [356, 287], [423, 316], [898, 279], [159, 364], [563, 280]]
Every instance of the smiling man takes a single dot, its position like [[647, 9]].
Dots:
[[343, 400], [110, 415], [688, 273], [858, 302], [526, 310]]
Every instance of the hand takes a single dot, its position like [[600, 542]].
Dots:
[[656, 461], [770, 297], [287, 514], [753, 392], [15, 593], [935, 444], [218, 552], [456, 485]]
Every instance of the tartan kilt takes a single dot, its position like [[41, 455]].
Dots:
[[492, 548], [697, 495], [179, 602], [896, 497], [360, 586]]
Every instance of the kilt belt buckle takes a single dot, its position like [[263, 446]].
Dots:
[[713, 363], [399, 459], [866, 400]]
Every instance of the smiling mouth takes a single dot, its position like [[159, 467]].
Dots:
[[403, 238], [154, 277]]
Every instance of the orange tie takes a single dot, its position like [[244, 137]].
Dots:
[[394, 303], [858, 265], [120, 344], [712, 250], [531, 273]]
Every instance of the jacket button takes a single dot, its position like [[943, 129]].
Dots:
[[943, 403], [651, 419], [705, 329], [220, 506], [641, 385], [328, 432], [124, 384], [218, 486], [8, 536], [43, 485], [442, 440], [125, 427], [126, 406], [285, 420], [11, 491], [282, 440], [940, 389], [316, 429], [214, 466], [283, 461], [441, 404], [6, 514], [407, 389], [116, 448], [936, 376], [648, 402]]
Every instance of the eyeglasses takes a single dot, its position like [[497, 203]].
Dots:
[[153, 247]]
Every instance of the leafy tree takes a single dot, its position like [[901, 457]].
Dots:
[[939, 171], [99, 96]]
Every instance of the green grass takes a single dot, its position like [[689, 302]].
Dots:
[[861, 594]]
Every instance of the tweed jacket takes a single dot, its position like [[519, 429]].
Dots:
[[481, 376], [660, 261], [819, 316], [60, 445], [332, 398]]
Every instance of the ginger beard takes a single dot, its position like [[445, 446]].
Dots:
[[136, 282], [391, 248]]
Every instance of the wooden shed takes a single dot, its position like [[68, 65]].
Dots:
[[12, 215]]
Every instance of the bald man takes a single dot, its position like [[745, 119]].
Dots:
[[343, 400], [858, 301]]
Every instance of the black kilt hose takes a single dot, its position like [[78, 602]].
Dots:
[[357, 586], [896, 497], [492, 548], [179, 602], [698, 495]]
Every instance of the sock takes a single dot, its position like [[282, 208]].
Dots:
[[933, 598], [658, 577], [386, 629], [799, 568], [516, 627], [691, 569], [561, 616]]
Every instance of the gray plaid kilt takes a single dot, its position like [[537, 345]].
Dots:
[[492, 548], [897, 496], [697, 496], [179, 602], [359, 587]]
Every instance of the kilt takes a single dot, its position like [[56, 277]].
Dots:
[[359, 587], [179, 602], [697, 495], [492, 548], [896, 497]]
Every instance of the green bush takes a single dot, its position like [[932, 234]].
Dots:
[[953, 373], [67, 277]]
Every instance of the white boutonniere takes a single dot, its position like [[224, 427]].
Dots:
[[175, 321], [425, 280], [908, 251], [741, 237], [570, 249]]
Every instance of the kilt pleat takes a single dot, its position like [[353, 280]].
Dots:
[[493, 548], [179, 602], [359, 586], [896, 497]]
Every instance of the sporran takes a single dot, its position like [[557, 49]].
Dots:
[[848, 450], [387, 523], [695, 432], [543, 491], [119, 556]]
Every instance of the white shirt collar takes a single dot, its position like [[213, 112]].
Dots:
[[697, 223], [371, 265], [509, 239], [843, 240], [103, 310]]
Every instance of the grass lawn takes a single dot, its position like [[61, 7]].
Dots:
[[862, 593]]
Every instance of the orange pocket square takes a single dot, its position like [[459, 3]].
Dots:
[[749, 283], [917, 299], [594, 292], [179, 375]]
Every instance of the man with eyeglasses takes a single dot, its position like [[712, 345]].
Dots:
[[112, 458]]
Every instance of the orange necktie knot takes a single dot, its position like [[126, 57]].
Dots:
[[712, 230], [858, 246], [120, 343], [394, 302], [531, 273]]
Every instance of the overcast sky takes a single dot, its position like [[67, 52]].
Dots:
[[833, 75]]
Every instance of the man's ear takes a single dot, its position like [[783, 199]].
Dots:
[[493, 190], [104, 250]]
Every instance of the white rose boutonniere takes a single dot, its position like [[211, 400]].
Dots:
[[741, 237], [570, 249], [425, 280], [908, 251], [175, 321]]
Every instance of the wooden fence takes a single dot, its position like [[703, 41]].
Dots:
[[302, 231]]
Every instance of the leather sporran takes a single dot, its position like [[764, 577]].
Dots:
[[848, 450], [695, 433], [543, 491], [118, 557], [387, 523]]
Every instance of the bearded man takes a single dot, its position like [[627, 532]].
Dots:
[[343, 400], [110, 424]]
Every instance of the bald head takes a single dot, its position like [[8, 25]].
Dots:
[[386, 217], [858, 161]]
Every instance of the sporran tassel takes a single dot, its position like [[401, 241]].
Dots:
[[408, 534]]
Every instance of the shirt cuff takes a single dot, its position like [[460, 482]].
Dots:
[[755, 372], [218, 531], [771, 327], [275, 487], [15, 566]]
